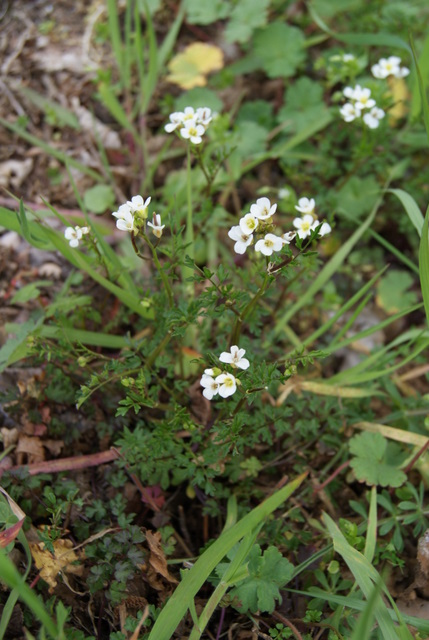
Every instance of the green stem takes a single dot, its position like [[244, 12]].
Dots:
[[248, 310], [209, 609], [155, 353], [189, 236], [161, 271]]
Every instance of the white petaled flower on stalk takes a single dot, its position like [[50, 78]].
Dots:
[[325, 229], [263, 209], [373, 117], [305, 225], [204, 116], [73, 235], [126, 221], [227, 384], [362, 97], [235, 358], [192, 131], [389, 67], [138, 206], [176, 120], [349, 93], [248, 224], [211, 387], [269, 244], [350, 112], [288, 237], [156, 225], [122, 211], [305, 205], [241, 239]]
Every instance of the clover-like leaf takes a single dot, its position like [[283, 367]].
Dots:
[[280, 49], [267, 573], [372, 463], [394, 293]]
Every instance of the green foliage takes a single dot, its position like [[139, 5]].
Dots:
[[268, 572], [99, 198], [280, 49], [376, 461], [394, 291]]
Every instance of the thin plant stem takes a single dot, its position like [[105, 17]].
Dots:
[[161, 272], [248, 310]]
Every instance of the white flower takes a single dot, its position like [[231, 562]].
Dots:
[[122, 212], [349, 93], [288, 237], [156, 225], [176, 119], [235, 358], [305, 205], [242, 240], [138, 206], [373, 117], [204, 116], [192, 131], [211, 386], [304, 225], [73, 235], [348, 57], [126, 222], [349, 112], [248, 224], [269, 244], [324, 229], [362, 97], [227, 384], [389, 67], [263, 209]]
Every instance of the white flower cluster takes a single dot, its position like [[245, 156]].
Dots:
[[215, 381], [362, 100], [74, 235], [132, 215], [192, 123], [259, 220], [389, 67]]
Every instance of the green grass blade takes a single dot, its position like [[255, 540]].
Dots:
[[424, 264], [366, 619], [416, 101], [179, 603], [350, 322], [151, 79], [326, 273], [169, 41], [80, 336], [390, 247], [12, 578], [115, 35], [364, 574], [113, 105], [64, 116], [374, 39], [411, 207], [343, 309], [422, 88], [371, 532], [51, 151]]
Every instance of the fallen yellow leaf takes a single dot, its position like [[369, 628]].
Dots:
[[400, 95], [50, 564], [190, 67]]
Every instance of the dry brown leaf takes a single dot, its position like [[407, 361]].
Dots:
[[29, 450], [157, 559], [50, 565]]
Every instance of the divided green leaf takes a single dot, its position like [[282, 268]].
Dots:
[[267, 573], [376, 461]]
